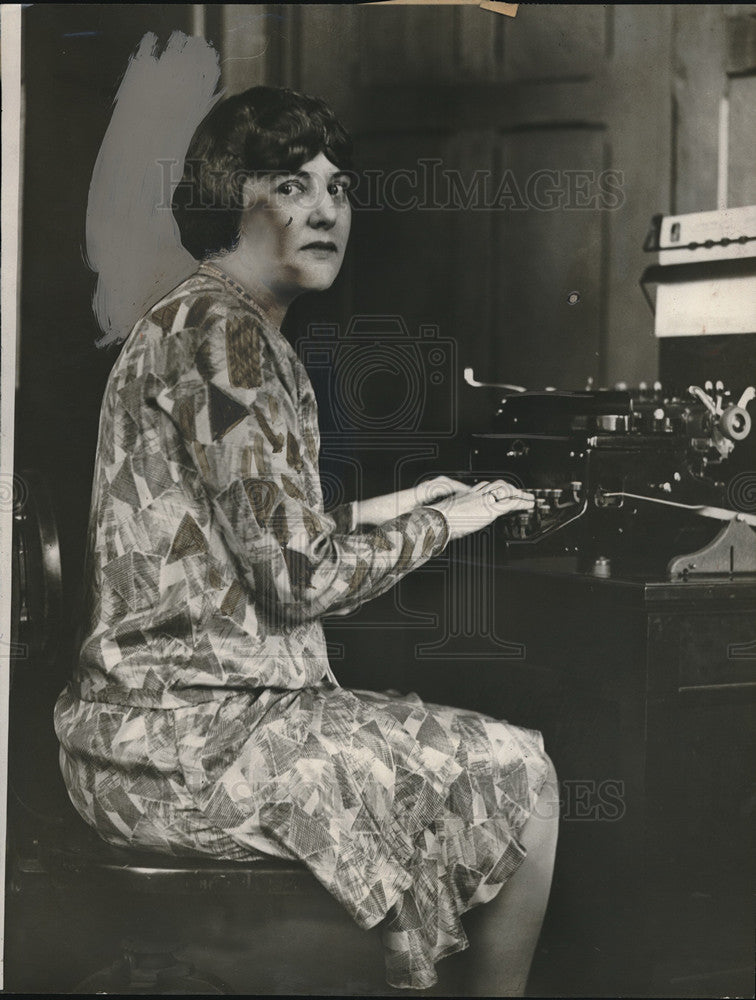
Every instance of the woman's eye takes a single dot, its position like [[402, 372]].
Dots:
[[289, 187], [339, 188]]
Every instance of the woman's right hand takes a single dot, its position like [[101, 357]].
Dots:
[[469, 512]]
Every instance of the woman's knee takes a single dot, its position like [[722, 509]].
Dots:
[[542, 826], [551, 782]]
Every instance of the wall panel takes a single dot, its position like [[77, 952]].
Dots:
[[548, 244]]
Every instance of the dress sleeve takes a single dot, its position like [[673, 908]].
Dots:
[[343, 518], [233, 399]]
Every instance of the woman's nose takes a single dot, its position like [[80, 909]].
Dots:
[[325, 211]]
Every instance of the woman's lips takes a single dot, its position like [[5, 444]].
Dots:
[[324, 248]]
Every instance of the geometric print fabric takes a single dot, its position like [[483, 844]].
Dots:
[[203, 716]]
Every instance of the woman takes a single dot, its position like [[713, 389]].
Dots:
[[204, 716]]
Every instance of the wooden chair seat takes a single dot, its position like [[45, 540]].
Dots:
[[76, 852]]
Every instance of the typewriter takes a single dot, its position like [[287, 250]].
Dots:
[[626, 479], [659, 478]]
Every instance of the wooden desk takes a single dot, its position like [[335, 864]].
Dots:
[[656, 685], [669, 654]]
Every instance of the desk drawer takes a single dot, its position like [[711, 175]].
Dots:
[[703, 651]]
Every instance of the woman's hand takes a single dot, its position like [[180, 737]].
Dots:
[[384, 508], [482, 504], [437, 488]]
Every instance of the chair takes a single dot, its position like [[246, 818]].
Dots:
[[157, 905]]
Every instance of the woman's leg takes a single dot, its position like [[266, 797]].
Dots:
[[503, 933]]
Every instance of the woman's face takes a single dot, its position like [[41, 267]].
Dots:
[[295, 227]]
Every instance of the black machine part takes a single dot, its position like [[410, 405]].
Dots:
[[633, 476]]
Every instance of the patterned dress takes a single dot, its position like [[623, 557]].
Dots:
[[203, 716]]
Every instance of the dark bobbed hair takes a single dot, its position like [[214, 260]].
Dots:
[[261, 130]]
